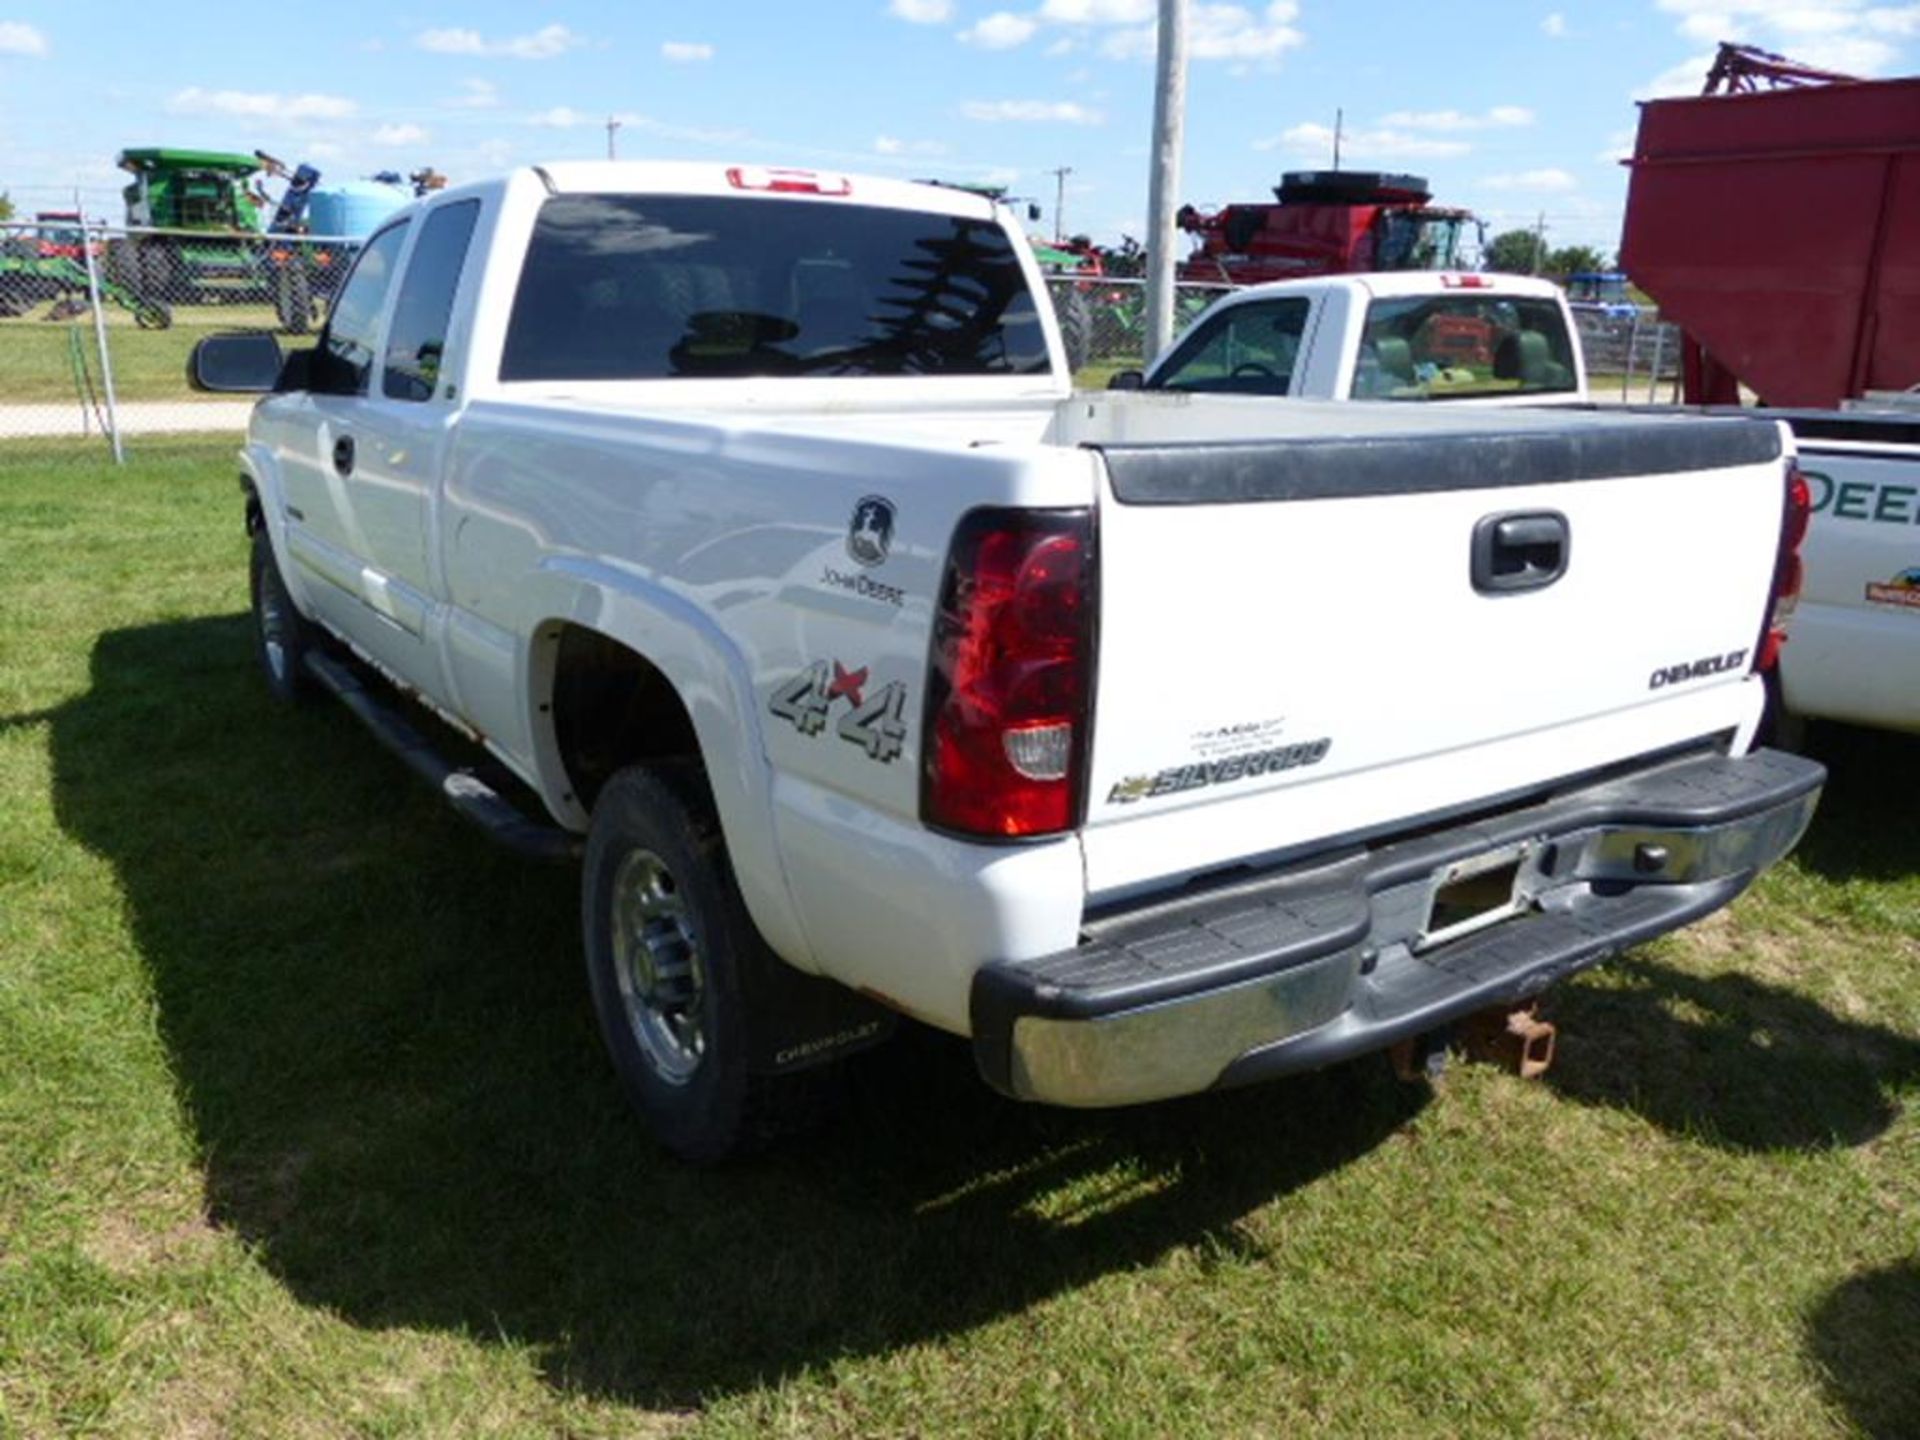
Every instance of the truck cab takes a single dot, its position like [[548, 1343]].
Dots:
[[1457, 337]]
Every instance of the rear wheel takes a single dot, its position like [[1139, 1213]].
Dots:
[[669, 944], [280, 637]]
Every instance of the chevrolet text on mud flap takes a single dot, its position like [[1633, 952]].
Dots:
[[667, 400]]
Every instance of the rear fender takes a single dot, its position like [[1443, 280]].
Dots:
[[710, 676]]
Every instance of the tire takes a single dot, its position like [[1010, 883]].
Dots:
[[1076, 328], [673, 1006], [293, 296], [280, 637]]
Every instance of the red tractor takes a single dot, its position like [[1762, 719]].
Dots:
[[1326, 222]]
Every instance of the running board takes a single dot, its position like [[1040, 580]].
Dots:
[[470, 795]]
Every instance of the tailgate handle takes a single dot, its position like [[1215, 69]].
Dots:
[[1523, 551]]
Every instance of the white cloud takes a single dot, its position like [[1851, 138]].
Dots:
[[260, 104], [1619, 147], [1547, 180], [1848, 36], [1554, 25], [1217, 32], [893, 145], [1064, 112], [1361, 145], [19, 38], [922, 12], [1097, 12], [475, 95], [565, 117], [1686, 78], [1845, 54], [399, 135], [1903, 22], [1002, 30], [1453, 120], [542, 44], [683, 52]]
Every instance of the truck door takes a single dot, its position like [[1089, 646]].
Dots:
[[321, 537], [398, 433]]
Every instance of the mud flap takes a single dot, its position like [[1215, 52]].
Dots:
[[799, 1021]]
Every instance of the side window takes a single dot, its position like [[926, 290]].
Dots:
[[418, 335], [344, 360], [1250, 349]]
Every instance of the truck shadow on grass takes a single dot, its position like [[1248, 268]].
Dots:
[[1865, 1338], [1734, 1060], [381, 1034]]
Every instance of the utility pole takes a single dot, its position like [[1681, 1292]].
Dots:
[[1060, 201], [1539, 241], [1169, 119], [1339, 124], [613, 124]]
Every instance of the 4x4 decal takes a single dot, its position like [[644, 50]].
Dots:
[[877, 724]]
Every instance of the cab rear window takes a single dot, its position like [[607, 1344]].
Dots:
[[629, 287], [1456, 347]]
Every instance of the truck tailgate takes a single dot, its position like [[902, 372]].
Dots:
[[1369, 626]]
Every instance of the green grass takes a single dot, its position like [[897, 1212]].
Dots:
[[304, 1128], [36, 360]]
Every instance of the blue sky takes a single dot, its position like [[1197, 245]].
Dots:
[[1511, 108]]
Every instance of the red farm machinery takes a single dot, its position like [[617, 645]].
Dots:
[[1326, 222], [1778, 225]]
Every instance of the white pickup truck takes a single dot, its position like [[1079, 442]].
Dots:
[[1855, 651], [1465, 338], [744, 523]]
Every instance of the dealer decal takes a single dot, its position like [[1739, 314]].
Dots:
[[1903, 589]]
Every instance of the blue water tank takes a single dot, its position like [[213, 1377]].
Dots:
[[353, 208]]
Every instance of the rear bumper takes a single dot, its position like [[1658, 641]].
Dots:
[[1321, 961]]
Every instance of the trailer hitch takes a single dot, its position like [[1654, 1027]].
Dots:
[[1516, 1040]]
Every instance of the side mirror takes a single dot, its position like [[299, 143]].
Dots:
[[236, 364], [1127, 380], [1033, 213], [296, 373]]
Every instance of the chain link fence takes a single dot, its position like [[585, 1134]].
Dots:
[[1635, 358], [1103, 321], [96, 323]]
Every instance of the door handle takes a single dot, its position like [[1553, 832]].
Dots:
[[343, 456], [1527, 550]]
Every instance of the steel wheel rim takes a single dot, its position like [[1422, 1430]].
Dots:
[[658, 967], [273, 627]]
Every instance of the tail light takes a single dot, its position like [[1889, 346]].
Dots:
[[1010, 676], [1788, 570]]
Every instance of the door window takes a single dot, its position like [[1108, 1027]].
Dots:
[[344, 360], [1245, 350], [418, 336]]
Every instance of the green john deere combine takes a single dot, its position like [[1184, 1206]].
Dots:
[[225, 259]]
